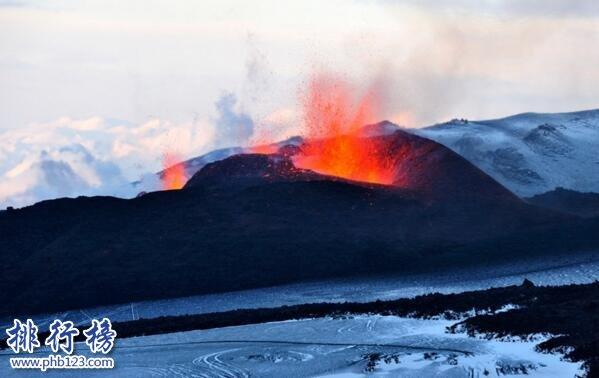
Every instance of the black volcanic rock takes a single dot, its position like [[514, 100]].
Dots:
[[256, 220], [250, 169], [528, 284], [549, 140]]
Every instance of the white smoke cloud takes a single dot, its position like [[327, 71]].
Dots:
[[232, 127]]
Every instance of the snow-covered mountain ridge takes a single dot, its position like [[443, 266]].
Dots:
[[529, 153]]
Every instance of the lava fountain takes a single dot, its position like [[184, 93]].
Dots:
[[334, 122], [174, 172]]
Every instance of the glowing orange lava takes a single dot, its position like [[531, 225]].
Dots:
[[334, 121], [265, 149], [174, 172]]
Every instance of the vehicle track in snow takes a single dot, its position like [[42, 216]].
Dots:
[[216, 367]]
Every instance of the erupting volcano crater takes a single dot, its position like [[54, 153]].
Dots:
[[380, 154]]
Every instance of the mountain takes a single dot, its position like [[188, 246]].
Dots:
[[255, 220], [568, 201], [529, 153]]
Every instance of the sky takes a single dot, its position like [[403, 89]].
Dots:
[[94, 93]]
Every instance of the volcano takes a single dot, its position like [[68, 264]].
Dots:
[[413, 165], [254, 220]]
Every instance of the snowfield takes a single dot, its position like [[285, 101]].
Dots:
[[529, 153], [583, 268], [327, 347]]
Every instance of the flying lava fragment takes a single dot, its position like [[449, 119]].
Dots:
[[334, 117]]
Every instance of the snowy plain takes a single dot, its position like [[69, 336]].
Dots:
[[330, 347], [325, 347]]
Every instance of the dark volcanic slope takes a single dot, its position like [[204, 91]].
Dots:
[[241, 171], [568, 201], [255, 220], [434, 170]]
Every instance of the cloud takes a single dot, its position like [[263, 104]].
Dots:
[[64, 172], [95, 156], [471, 58], [487, 59], [515, 8]]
